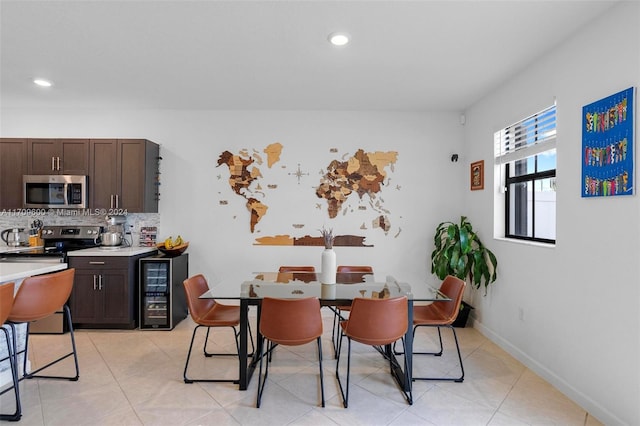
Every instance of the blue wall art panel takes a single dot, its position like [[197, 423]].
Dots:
[[607, 146]]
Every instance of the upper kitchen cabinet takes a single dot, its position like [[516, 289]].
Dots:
[[13, 164], [124, 175], [58, 156]]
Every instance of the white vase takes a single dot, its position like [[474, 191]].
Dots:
[[328, 274], [328, 291]]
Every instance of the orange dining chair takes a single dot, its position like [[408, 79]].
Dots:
[[301, 273], [441, 314], [37, 298], [208, 313], [374, 322], [6, 302], [297, 269], [350, 275], [289, 322]]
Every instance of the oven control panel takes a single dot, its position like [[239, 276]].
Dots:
[[70, 232]]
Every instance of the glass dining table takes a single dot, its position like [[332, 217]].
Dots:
[[295, 285]]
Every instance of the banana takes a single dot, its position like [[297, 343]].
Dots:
[[178, 241], [168, 243]]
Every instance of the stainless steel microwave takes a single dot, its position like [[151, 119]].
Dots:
[[55, 191]]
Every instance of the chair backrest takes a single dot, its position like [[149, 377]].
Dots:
[[352, 274], [355, 268], [291, 322], [289, 273], [6, 301], [42, 295], [194, 287], [453, 288], [297, 269], [378, 321]]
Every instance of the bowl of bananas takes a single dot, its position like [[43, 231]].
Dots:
[[173, 247]]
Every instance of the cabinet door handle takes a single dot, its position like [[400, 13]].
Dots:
[[111, 202], [117, 201], [53, 164], [58, 163], [95, 262], [94, 282], [99, 282]]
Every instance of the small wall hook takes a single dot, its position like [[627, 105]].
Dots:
[[454, 158]]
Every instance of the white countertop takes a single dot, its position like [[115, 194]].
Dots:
[[8, 249], [14, 271], [116, 251]]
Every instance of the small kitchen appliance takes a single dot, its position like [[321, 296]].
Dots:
[[162, 299], [113, 234], [55, 191], [15, 237]]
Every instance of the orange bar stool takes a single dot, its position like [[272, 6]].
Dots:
[[208, 313], [289, 322], [374, 322], [352, 275], [37, 298], [6, 303]]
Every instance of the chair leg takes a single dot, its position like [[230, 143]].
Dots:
[[439, 353], [336, 325], [333, 333], [262, 381], [408, 395], [345, 395], [454, 379], [321, 373], [13, 362], [186, 365], [74, 352]]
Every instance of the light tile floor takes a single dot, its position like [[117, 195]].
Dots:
[[135, 378]]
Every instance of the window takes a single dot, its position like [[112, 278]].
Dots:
[[526, 155]]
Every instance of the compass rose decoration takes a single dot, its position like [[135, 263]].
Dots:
[[298, 174]]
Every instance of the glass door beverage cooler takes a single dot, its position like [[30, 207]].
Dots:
[[162, 298]]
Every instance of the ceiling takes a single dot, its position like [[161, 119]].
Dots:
[[233, 55]]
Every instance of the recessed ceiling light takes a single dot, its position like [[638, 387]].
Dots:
[[42, 82], [338, 39]]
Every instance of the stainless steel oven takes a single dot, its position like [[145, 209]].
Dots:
[[55, 191]]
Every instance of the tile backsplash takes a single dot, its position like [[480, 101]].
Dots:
[[135, 221]]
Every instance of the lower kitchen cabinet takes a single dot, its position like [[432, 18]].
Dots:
[[104, 291]]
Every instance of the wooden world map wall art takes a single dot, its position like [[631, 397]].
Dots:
[[357, 175]]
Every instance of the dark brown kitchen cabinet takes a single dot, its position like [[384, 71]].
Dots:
[[105, 291], [124, 175], [13, 164], [58, 156]]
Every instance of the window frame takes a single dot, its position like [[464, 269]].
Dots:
[[533, 178], [524, 140]]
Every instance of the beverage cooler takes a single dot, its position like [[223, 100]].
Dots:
[[162, 298]]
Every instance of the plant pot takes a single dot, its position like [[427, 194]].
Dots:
[[463, 315]]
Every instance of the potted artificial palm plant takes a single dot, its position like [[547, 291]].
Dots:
[[459, 252]]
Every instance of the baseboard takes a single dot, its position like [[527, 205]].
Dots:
[[592, 407]]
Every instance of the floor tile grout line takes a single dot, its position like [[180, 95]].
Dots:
[[513, 386], [124, 394]]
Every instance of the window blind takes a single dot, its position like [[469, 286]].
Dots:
[[531, 136]]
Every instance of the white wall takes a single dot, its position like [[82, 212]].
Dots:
[[581, 299], [221, 245]]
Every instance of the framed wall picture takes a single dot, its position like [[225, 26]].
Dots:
[[607, 146], [477, 175]]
